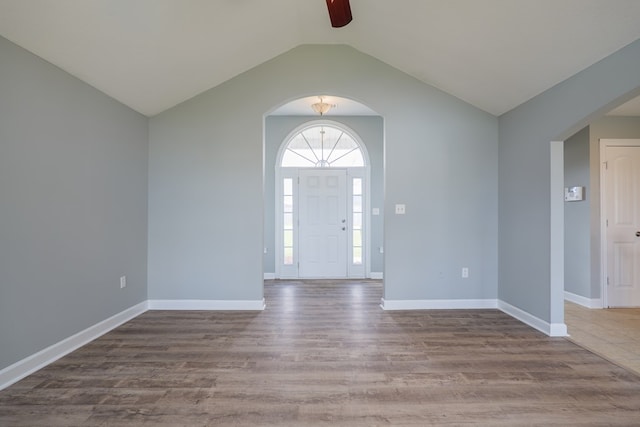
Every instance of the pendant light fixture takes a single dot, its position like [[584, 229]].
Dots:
[[321, 107]]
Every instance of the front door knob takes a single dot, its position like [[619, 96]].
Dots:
[[637, 233]]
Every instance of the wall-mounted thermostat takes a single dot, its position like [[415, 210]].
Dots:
[[573, 194]]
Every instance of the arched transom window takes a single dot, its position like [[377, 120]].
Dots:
[[322, 146]]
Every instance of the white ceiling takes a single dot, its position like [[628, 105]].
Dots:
[[631, 108], [154, 54]]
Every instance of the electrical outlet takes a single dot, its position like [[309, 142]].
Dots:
[[401, 209], [465, 272], [123, 282]]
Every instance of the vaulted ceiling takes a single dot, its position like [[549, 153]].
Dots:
[[154, 54]]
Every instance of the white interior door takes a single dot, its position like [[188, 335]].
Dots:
[[322, 230], [622, 208]]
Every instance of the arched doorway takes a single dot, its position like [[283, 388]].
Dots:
[[322, 203]]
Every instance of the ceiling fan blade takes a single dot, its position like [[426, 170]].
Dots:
[[339, 12]]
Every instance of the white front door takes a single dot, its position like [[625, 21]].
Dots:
[[322, 223], [622, 210]]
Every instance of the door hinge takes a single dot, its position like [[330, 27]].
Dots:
[[607, 280], [606, 165], [607, 222]]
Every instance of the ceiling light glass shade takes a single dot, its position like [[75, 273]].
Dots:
[[321, 107]]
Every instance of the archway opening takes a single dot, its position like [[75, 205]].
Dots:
[[345, 147], [577, 276]]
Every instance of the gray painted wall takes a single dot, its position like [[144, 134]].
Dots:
[[525, 239], [73, 166], [73, 205], [370, 129], [577, 239], [206, 198]]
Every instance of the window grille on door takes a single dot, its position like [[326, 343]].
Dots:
[[322, 146]]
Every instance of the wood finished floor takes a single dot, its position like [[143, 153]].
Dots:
[[324, 353]]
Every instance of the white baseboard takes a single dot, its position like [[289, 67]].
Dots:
[[373, 275], [583, 301], [197, 304], [14, 373], [550, 329], [31, 364], [558, 330], [438, 304]]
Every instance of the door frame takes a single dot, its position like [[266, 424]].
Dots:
[[604, 143], [284, 272]]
